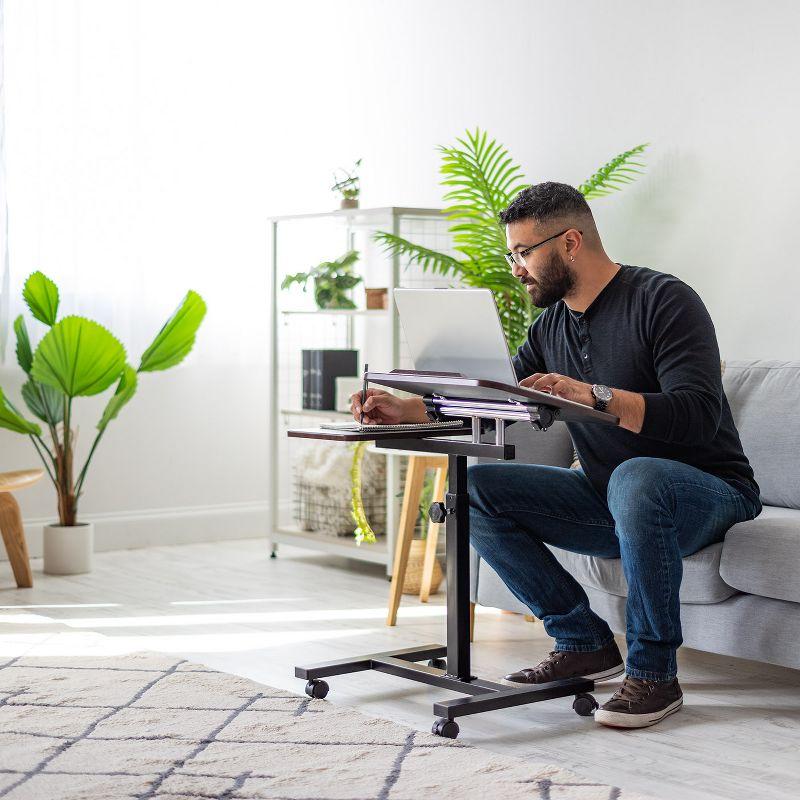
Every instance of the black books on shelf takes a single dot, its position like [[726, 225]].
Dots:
[[306, 379], [321, 368]]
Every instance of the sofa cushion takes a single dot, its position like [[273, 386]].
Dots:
[[490, 591], [761, 394], [701, 579], [553, 446], [762, 556]]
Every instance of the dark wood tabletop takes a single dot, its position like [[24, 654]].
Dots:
[[366, 436]]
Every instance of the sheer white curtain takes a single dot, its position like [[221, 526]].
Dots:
[[4, 273], [109, 190]]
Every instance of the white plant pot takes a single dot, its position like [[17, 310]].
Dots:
[[68, 549]]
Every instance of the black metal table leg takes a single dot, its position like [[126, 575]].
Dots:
[[457, 543]]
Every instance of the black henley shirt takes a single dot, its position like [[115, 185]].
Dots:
[[646, 332]]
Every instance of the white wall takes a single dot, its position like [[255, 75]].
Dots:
[[205, 117]]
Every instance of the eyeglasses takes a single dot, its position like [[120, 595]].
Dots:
[[519, 258]]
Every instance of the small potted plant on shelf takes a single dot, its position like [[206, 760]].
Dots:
[[77, 357], [348, 186], [332, 279]]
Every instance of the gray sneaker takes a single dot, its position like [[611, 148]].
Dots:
[[596, 665], [639, 703]]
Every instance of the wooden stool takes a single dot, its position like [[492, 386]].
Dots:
[[11, 523], [415, 477], [439, 463]]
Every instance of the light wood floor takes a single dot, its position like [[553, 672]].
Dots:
[[231, 607]]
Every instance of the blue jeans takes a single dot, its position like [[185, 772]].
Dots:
[[656, 512]]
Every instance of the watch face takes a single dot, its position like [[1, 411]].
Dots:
[[601, 392]]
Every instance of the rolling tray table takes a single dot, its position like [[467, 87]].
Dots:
[[448, 666]]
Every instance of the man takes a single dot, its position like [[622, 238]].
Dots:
[[668, 481]]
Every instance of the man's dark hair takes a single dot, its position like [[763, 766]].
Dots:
[[545, 201]]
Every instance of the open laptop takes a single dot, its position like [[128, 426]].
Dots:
[[455, 330], [451, 331], [459, 331]]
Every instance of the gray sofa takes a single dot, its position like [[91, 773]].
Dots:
[[740, 597]]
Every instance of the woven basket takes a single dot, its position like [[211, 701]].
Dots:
[[322, 490], [416, 560]]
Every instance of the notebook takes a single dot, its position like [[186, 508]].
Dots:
[[406, 426]]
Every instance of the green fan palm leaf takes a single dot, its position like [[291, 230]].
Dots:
[[24, 353], [126, 388], [12, 421], [176, 338], [44, 401], [79, 357], [41, 296]]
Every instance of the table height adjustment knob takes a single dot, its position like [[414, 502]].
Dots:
[[437, 512]]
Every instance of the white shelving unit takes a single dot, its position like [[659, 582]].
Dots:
[[297, 242]]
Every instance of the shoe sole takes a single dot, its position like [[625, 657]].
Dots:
[[619, 719], [604, 675]]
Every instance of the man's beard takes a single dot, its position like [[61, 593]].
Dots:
[[556, 280]]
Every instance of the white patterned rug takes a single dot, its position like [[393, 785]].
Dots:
[[149, 726]]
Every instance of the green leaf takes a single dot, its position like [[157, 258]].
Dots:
[[342, 266], [14, 422], [79, 357], [44, 401], [298, 277], [126, 388], [41, 295], [176, 339], [426, 258], [612, 176], [24, 354]]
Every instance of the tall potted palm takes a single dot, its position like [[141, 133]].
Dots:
[[78, 357], [481, 179]]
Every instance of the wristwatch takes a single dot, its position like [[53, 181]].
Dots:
[[602, 396]]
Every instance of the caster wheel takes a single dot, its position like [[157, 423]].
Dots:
[[317, 689], [439, 663], [445, 727], [585, 705]]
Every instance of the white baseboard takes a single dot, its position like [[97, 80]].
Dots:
[[133, 529]]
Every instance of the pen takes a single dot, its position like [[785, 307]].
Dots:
[[363, 395]]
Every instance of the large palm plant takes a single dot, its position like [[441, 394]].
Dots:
[[482, 179], [78, 358]]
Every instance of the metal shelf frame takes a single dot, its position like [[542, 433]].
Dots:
[[350, 220]]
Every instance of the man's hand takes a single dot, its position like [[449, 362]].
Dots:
[[628, 406], [560, 386], [380, 408]]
